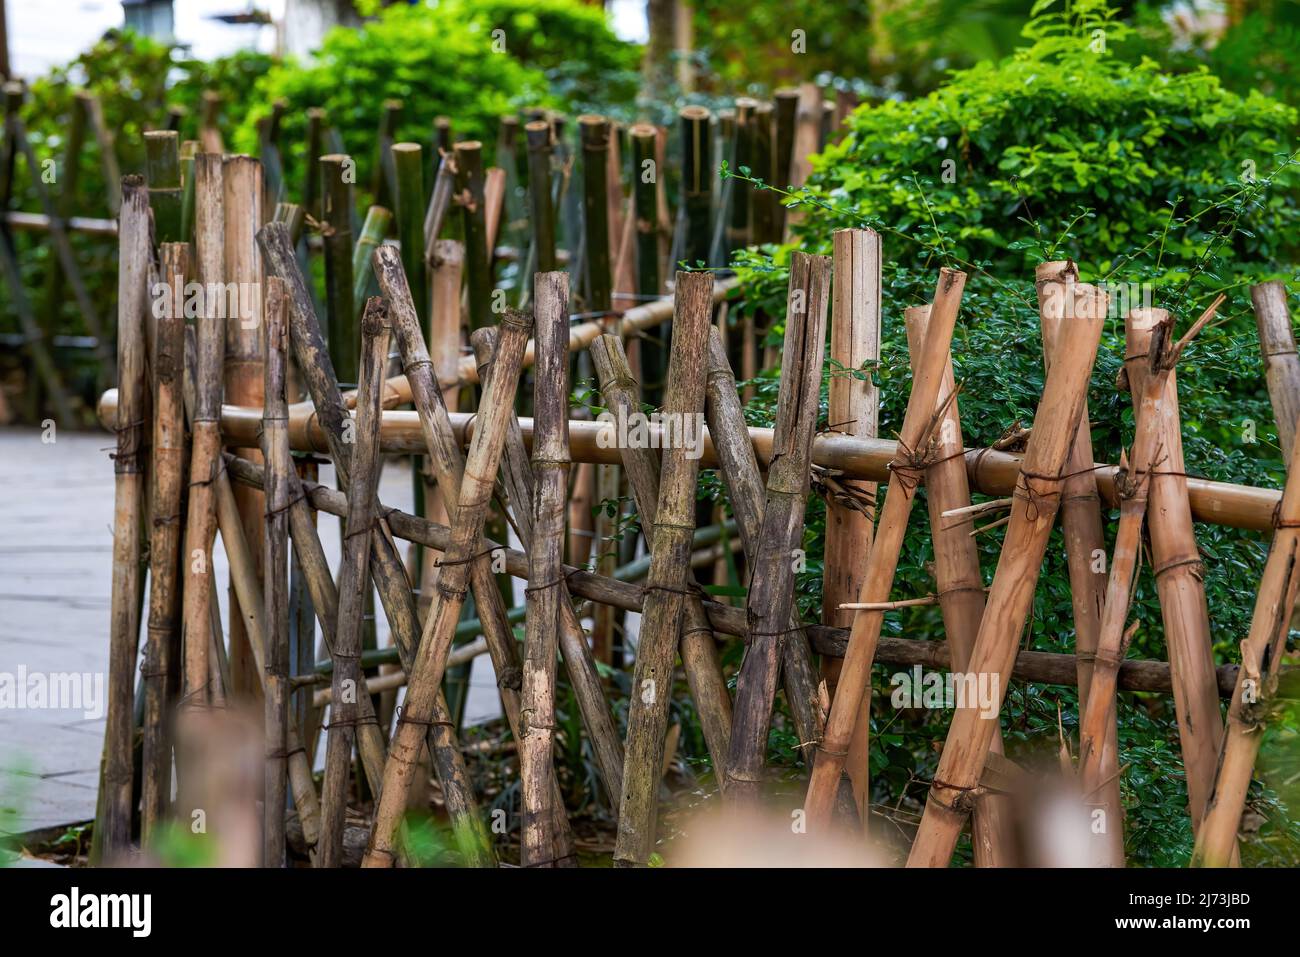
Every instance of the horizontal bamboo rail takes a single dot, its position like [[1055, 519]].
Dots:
[[991, 472]]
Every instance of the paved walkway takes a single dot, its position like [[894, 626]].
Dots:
[[55, 580]]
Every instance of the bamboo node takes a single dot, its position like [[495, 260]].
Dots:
[[404, 718]]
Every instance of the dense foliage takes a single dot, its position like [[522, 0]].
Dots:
[[1141, 177]]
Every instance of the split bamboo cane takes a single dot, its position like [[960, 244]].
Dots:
[[739, 468], [1085, 547], [770, 602], [1254, 698], [853, 410], [275, 566], [958, 579], [1179, 583], [354, 584], [134, 254], [162, 645], [450, 589], [698, 650], [970, 734], [1281, 363], [666, 588], [907, 468]]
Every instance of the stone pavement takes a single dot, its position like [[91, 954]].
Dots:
[[55, 580]]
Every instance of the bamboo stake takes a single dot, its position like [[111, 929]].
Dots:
[[128, 501], [698, 650], [770, 601], [853, 410], [279, 464], [595, 144], [242, 207], [373, 231], [904, 472], [430, 661], [762, 202], [200, 520], [209, 132], [1085, 546], [697, 183], [1179, 583], [1036, 666], [1281, 363], [409, 164], [386, 566], [162, 645], [959, 581], [786, 112], [336, 233], [739, 467], [652, 679], [738, 227], [538, 134], [354, 584], [970, 734], [1098, 715], [539, 843], [163, 173], [478, 267], [1254, 697]]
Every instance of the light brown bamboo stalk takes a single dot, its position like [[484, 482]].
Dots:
[[1254, 698], [1036, 666], [739, 467], [354, 583], [883, 560], [1281, 363], [540, 845], [1096, 771], [1085, 547], [770, 600], [200, 519], [275, 565], [652, 678], [242, 208], [958, 579], [698, 650], [445, 333], [386, 567], [579, 660], [128, 502], [853, 410], [449, 596], [970, 735], [1179, 578], [162, 644]]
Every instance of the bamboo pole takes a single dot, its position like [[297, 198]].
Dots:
[[163, 173], [738, 225], [275, 565], [539, 843], [770, 602], [1098, 716], [698, 650], [1254, 699], [538, 134], [959, 581], [1085, 547], [853, 409], [652, 679], [381, 182], [162, 644], [409, 163], [450, 588], [786, 112], [242, 207], [1035, 666], [128, 502], [697, 184], [762, 202], [336, 233], [1179, 584], [386, 566], [373, 231], [905, 471], [1281, 363], [970, 735], [595, 206], [354, 584], [478, 266], [200, 520]]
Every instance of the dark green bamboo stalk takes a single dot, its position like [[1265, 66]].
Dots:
[[316, 119], [478, 265], [538, 133], [787, 115], [373, 232], [408, 165], [595, 208], [738, 224], [383, 175], [336, 232], [442, 138], [697, 184], [762, 202]]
